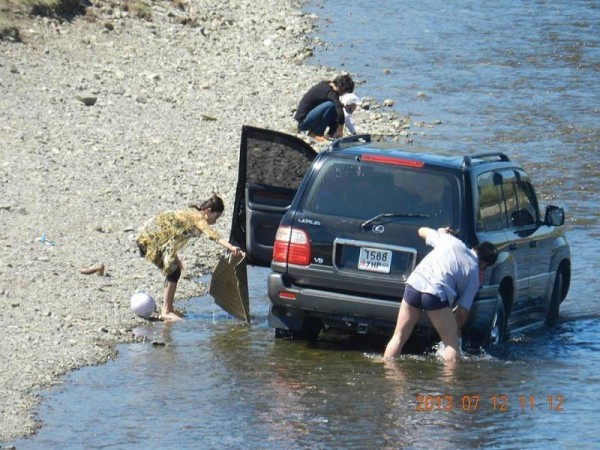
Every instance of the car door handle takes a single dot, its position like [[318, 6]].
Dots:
[[254, 206], [533, 243], [512, 246]]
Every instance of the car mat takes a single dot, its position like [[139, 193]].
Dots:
[[229, 286]]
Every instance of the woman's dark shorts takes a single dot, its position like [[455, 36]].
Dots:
[[158, 261], [422, 300]]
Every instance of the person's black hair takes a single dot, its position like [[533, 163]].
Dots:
[[214, 203], [487, 253], [453, 232], [344, 83]]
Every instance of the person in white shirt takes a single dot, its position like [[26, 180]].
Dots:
[[448, 276], [350, 102]]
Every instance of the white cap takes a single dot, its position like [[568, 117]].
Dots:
[[349, 99]]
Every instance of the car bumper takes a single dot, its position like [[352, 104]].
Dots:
[[291, 303]]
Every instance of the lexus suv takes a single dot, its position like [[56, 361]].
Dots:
[[339, 230]]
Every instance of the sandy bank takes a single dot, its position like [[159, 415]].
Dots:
[[169, 99]]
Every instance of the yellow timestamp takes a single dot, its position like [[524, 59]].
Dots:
[[497, 402]]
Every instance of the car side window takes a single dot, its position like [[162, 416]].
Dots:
[[519, 198], [490, 215], [527, 211]]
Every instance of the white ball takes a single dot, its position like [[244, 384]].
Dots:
[[142, 304]]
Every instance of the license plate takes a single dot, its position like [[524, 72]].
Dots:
[[375, 260]]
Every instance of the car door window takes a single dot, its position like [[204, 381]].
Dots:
[[520, 201], [510, 199], [526, 213], [491, 212], [272, 163]]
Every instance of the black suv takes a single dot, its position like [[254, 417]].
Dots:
[[339, 230]]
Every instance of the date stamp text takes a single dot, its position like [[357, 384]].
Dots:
[[502, 403]]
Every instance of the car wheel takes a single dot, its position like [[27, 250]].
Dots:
[[497, 331], [555, 300]]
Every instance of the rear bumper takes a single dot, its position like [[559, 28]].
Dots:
[[291, 304], [327, 302]]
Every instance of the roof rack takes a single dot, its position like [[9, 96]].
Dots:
[[335, 145], [468, 160]]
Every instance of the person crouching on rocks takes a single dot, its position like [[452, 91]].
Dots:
[[320, 108], [163, 236]]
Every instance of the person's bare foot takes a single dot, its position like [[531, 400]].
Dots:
[[316, 137], [98, 268], [170, 317], [179, 312]]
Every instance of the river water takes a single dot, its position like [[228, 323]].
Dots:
[[517, 76]]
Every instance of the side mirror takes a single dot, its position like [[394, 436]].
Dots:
[[555, 216]]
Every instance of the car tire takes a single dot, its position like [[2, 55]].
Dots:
[[496, 333], [555, 300]]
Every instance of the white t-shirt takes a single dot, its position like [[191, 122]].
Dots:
[[349, 99], [349, 123], [449, 271]]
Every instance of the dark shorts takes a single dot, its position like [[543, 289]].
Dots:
[[422, 300], [173, 276]]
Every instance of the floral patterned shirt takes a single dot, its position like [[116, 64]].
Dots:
[[163, 236]]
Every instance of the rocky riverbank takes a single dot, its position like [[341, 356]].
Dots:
[[106, 120]]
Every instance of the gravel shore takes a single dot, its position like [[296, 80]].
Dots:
[[105, 121]]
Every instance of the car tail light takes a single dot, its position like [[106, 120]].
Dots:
[[292, 246], [287, 295], [392, 160]]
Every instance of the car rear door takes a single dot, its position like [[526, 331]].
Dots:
[[271, 168]]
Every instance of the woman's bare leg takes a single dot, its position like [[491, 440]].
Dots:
[[407, 318], [445, 324], [168, 311]]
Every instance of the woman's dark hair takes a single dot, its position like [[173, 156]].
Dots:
[[215, 204], [344, 84], [487, 253], [453, 232]]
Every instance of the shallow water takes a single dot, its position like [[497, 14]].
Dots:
[[515, 76], [211, 382]]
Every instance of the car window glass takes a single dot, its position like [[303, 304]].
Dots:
[[362, 190], [526, 213], [510, 200], [285, 168], [490, 215], [519, 207]]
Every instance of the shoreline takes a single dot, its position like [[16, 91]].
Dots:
[[169, 98]]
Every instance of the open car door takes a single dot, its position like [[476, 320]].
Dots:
[[271, 168]]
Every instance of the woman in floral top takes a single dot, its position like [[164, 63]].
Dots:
[[162, 237]]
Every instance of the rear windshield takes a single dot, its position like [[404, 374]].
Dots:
[[363, 190]]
